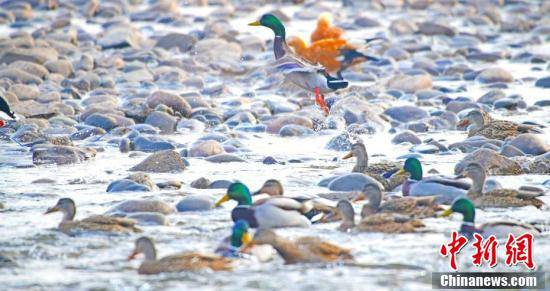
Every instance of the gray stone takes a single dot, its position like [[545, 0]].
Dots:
[[406, 136], [164, 121], [493, 162], [406, 113], [167, 161], [176, 102], [126, 185], [61, 155], [184, 42], [352, 182], [144, 144], [205, 149], [102, 121], [224, 158], [543, 82], [195, 203], [511, 151], [495, 75], [294, 130], [531, 144]]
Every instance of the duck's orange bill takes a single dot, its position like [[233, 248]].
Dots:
[[132, 255], [255, 23], [225, 198]]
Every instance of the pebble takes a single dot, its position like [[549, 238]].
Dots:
[[294, 130], [167, 161], [206, 148], [406, 136], [495, 75], [224, 158], [352, 182], [406, 113], [142, 205], [164, 121], [531, 144], [494, 163], [195, 203]]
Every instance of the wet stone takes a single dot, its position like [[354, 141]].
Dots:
[[195, 203]]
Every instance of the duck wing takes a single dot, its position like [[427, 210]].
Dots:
[[324, 250], [504, 228]]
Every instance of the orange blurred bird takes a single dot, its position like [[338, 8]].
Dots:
[[324, 29], [327, 47]]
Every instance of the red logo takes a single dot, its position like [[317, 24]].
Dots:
[[518, 250], [453, 248], [485, 251]]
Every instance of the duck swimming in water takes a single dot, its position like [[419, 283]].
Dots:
[[190, 261], [95, 223], [386, 222], [445, 189], [375, 170], [297, 70], [500, 229], [302, 250], [496, 197]]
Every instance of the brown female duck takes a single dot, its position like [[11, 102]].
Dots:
[[302, 250], [375, 170], [378, 222], [93, 223], [175, 263], [497, 197], [481, 123], [418, 207]]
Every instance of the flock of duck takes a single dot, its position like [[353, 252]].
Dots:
[[310, 67]]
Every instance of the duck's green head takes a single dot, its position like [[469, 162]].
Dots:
[[413, 167], [240, 235], [271, 21], [463, 206], [237, 191]]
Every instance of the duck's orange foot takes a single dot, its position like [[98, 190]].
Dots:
[[320, 100]]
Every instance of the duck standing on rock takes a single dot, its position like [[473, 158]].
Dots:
[[190, 261], [376, 170], [302, 250], [302, 73], [445, 189], [480, 123], [99, 223], [497, 197], [500, 229]]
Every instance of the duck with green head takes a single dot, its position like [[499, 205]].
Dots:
[[231, 245], [446, 189], [497, 228], [302, 73], [271, 213]]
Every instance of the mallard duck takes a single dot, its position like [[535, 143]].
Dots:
[[5, 107], [418, 207], [446, 189], [273, 212], [497, 228], [305, 75], [175, 263], [497, 197], [231, 245], [301, 250], [93, 223], [376, 170], [481, 123], [377, 222], [271, 187]]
